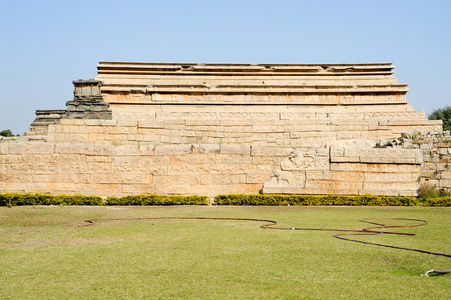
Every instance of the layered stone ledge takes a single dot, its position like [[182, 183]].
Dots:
[[88, 103]]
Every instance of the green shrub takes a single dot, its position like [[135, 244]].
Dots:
[[6, 133], [242, 199], [439, 201], [157, 200], [18, 199], [443, 114], [431, 191]]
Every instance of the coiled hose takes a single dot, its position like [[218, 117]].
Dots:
[[270, 224]]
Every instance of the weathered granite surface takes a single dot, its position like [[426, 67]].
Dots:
[[185, 128]]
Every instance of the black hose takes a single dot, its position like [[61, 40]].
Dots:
[[374, 230]]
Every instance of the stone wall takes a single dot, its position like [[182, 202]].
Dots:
[[436, 168], [132, 169], [207, 169], [299, 105], [168, 128], [293, 133], [348, 171]]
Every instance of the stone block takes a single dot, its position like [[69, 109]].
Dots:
[[173, 150], [430, 166], [445, 159], [390, 177], [314, 174], [134, 189], [31, 148], [389, 160], [146, 150], [429, 182], [207, 148], [377, 167], [99, 167], [442, 166], [227, 169], [229, 179], [125, 123], [230, 159], [445, 183], [283, 190], [209, 190], [342, 159], [336, 152], [393, 168], [332, 185], [4, 148], [271, 151], [192, 170], [78, 122], [124, 150], [177, 180], [386, 154], [394, 186], [158, 170], [384, 192], [102, 178], [265, 169], [249, 188], [193, 159], [182, 189], [428, 174], [125, 164], [45, 168], [341, 175], [63, 158], [354, 143], [285, 179], [257, 178], [96, 150], [235, 149], [91, 122], [151, 124]]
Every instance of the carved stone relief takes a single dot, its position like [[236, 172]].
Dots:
[[284, 179], [305, 160]]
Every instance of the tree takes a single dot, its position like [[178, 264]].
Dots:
[[6, 133], [443, 114]]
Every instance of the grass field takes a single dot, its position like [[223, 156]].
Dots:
[[44, 255]]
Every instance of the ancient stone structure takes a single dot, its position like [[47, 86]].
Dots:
[[185, 128]]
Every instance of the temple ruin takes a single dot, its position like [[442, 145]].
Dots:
[[215, 128]]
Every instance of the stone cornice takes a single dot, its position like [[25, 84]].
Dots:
[[256, 89], [218, 69]]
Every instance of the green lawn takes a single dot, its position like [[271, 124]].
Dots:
[[44, 255]]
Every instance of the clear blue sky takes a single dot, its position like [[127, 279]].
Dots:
[[44, 45]]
